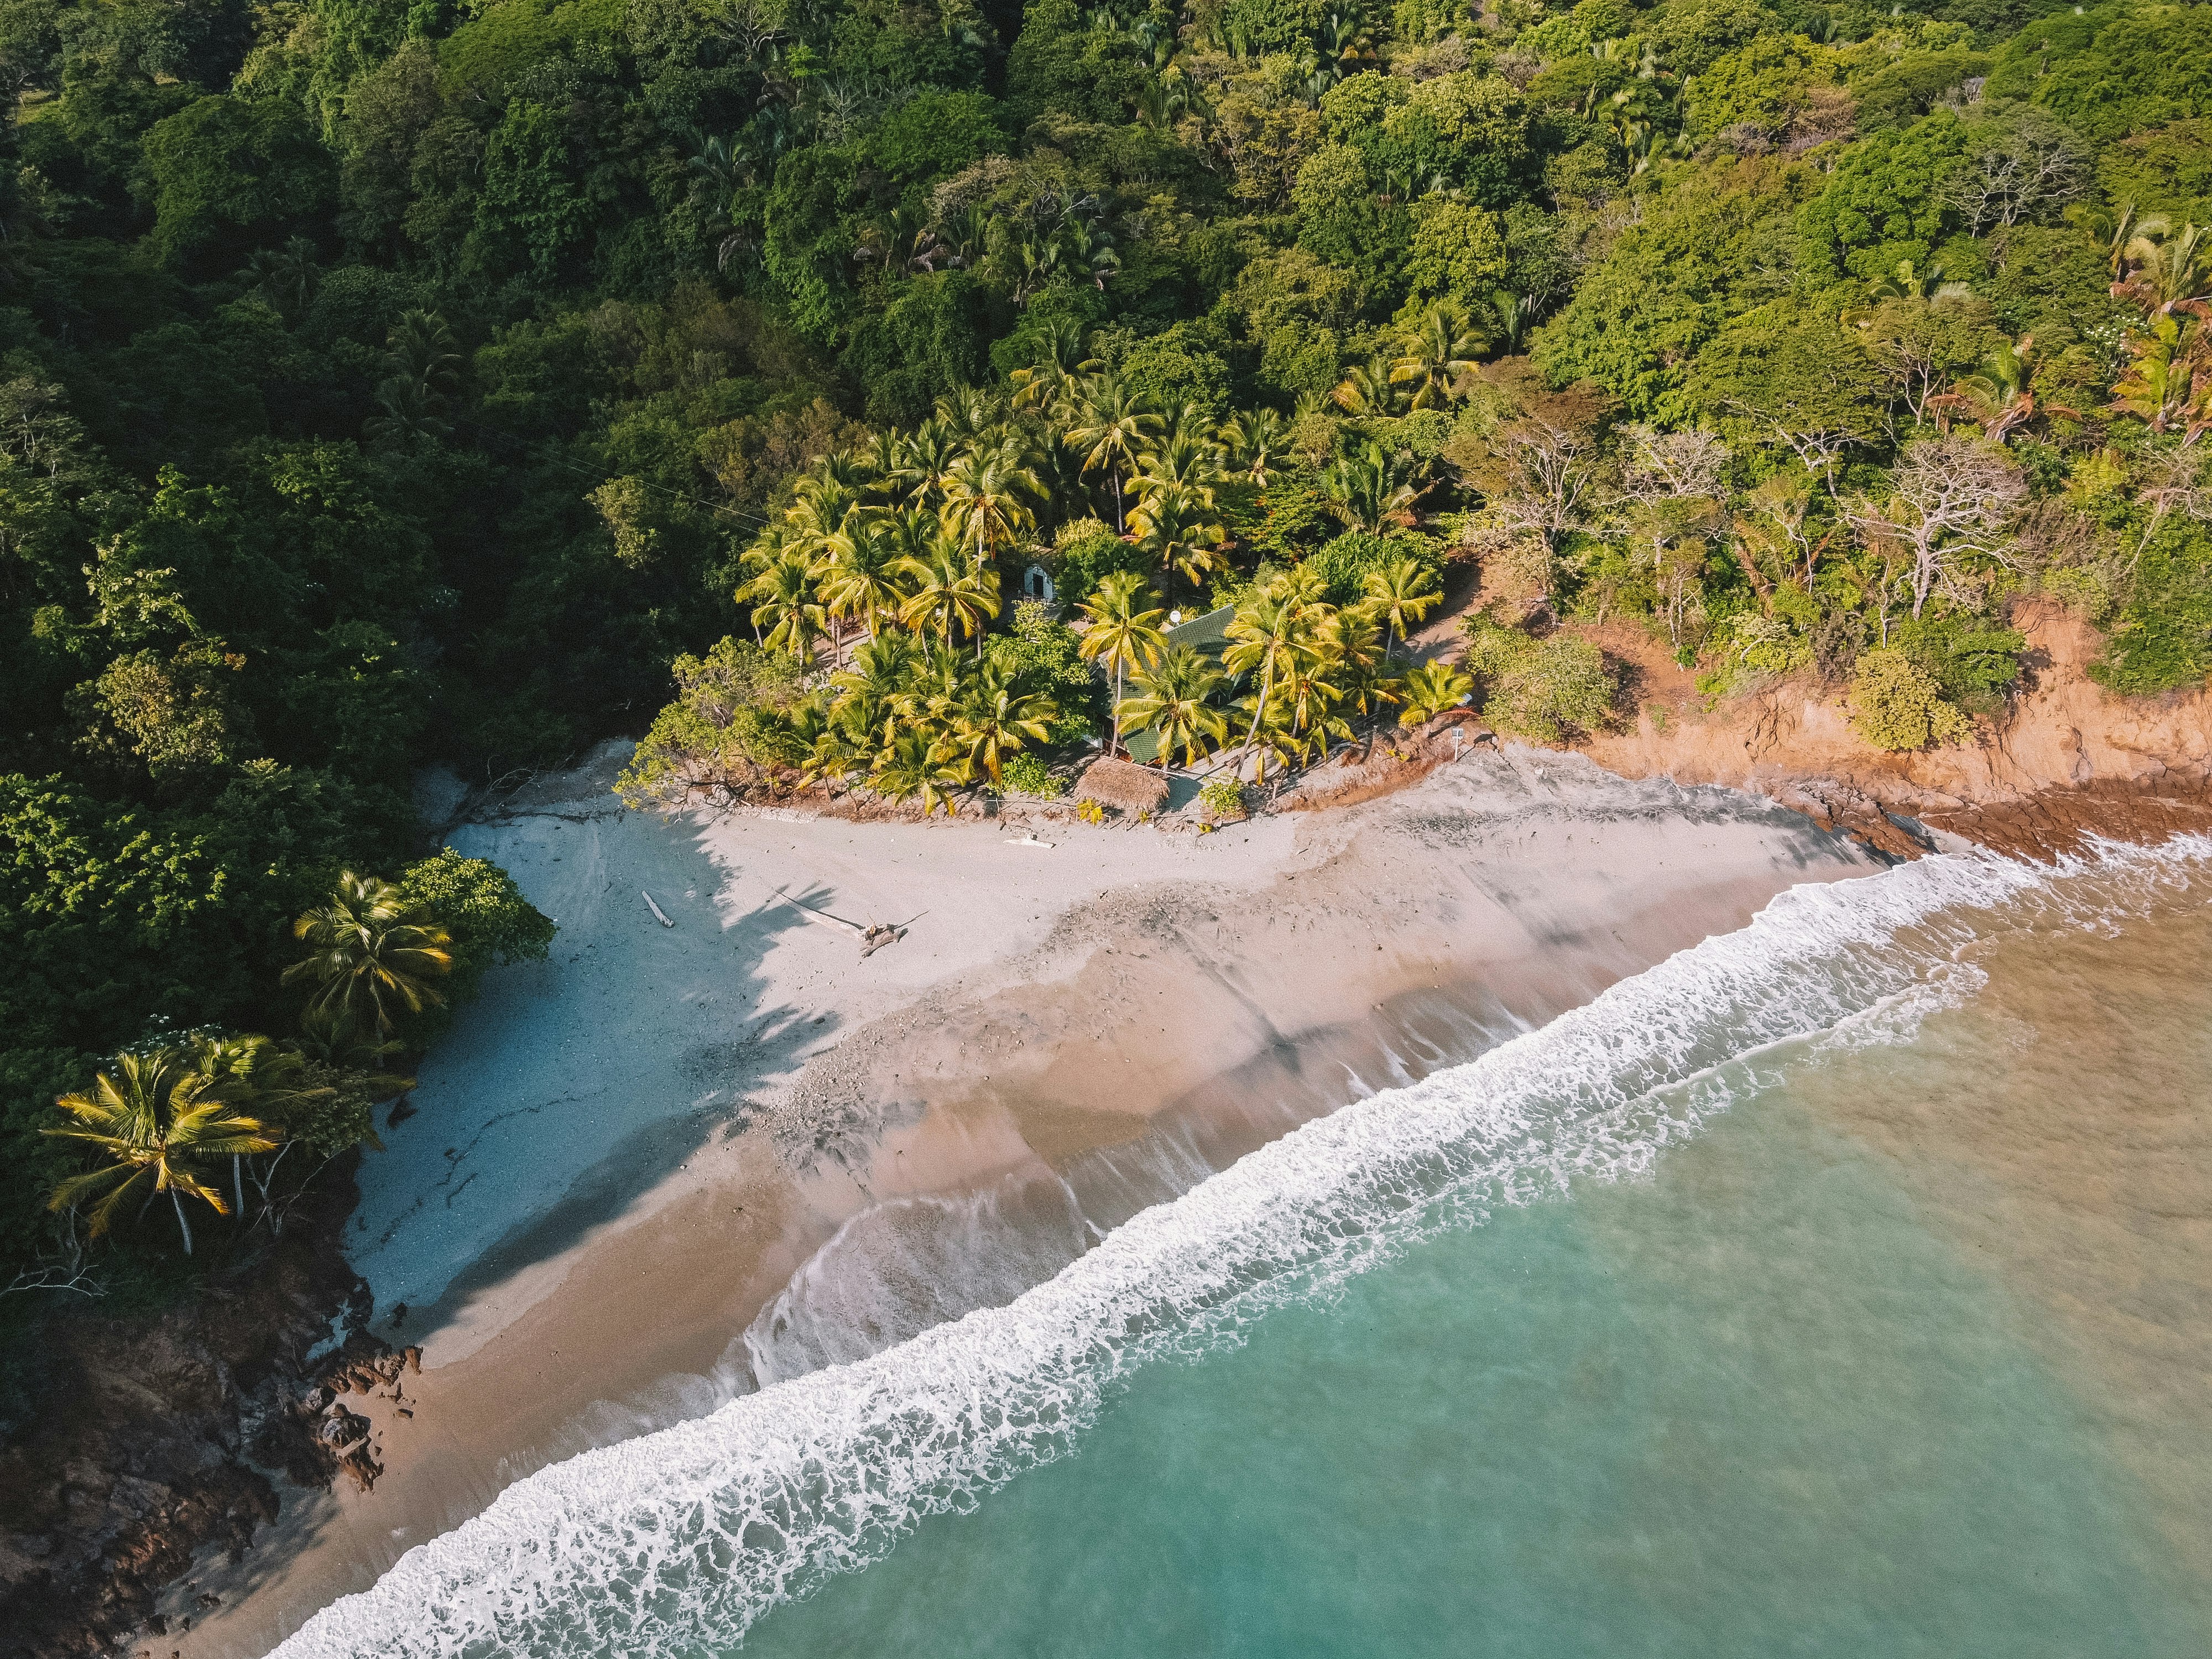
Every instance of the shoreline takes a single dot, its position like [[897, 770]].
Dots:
[[1091, 1036]]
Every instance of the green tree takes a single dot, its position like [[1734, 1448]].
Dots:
[[1886, 201], [231, 173], [1173, 702], [1895, 704], [1118, 633], [155, 1120], [369, 958], [1401, 592], [487, 919]]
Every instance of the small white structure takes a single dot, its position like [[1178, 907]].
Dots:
[[1036, 583]]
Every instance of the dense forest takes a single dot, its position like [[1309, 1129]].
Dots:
[[390, 381]]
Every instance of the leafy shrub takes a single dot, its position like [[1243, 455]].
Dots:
[[2163, 639], [1222, 795], [1044, 656], [1897, 705], [1752, 647], [1027, 774], [1540, 689], [1344, 564], [1088, 552], [479, 905], [1976, 666], [727, 725]]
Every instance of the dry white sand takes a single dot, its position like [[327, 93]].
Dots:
[[671, 1162]]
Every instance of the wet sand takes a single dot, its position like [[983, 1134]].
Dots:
[[653, 1173]]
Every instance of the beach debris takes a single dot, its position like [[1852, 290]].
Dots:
[[873, 936], [1030, 840], [659, 915]]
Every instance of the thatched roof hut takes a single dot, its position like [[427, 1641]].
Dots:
[[1124, 787]]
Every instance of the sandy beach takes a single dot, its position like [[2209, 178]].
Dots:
[[676, 1162]]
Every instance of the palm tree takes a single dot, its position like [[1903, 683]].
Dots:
[[1365, 491], [1510, 317], [1440, 357], [1277, 636], [1186, 457], [1172, 525], [1365, 391], [930, 449], [1402, 592], [863, 578], [156, 1117], [368, 956], [914, 764], [1172, 702], [993, 721], [1056, 369], [950, 596], [1250, 442], [1431, 688], [1110, 427], [1355, 661], [984, 496], [783, 596], [1117, 633]]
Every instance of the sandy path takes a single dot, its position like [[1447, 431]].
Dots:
[[626, 1156]]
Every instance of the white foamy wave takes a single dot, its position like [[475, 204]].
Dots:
[[677, 1542]]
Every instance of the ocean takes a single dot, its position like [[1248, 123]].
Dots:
[[1842, 1286]]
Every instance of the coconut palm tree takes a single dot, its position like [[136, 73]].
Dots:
[[1439, 358], [369, 958], [783, 596], [1356, 663], [1057, 369], [993, 721], [1171, 701], [1187, 454], [987, 495], [1365, 391], [1110, 427], [1402, 592], [157, 1119], [864, 578], [1117, 632], [1275, 634], [1365, 490], [948, 595], [1172, 524], [1251, 443], [930, 451], [916, 764], [1431, 688]]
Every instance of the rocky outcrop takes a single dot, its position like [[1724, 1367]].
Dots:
[[148, 1439]]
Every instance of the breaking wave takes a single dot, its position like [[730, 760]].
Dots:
[[676, 1543]]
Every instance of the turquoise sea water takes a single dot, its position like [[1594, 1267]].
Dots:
[[1842, 1288], [1773, 1400]]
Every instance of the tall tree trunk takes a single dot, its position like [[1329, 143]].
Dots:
[[183, 1225], [237, 1184], [1259, 713], [1114, 718]]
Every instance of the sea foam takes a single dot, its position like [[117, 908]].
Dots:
[[676, 1543]]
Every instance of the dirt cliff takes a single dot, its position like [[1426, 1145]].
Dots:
[[2068, 759]]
